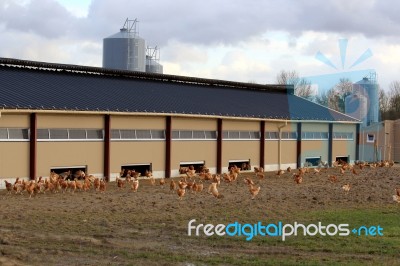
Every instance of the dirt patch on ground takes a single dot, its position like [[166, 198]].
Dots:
[[120, 227]]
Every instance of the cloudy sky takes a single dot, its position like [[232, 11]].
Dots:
[[241, 40]]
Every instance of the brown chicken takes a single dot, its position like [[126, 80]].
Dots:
[[182, 184], [79, 185], [258, 170], [148, 173], [96, 184], [332, 178], [227, 177], [162, 182], [87, 184], [214, 191], [18, 186], [63, 184], [48, 186], [172, 185], [31, 188], [128, 178], [189, 185], [298, 178], [260, 175], [254, 191], [120, 183], [302, 171], [346, 188], [72, 186], [396, 198], [280, 172], [152, 180], [191, 173], [342, 171], [9, 186], [135, 185], [248, 181], [181, 192], [103, 186], [235, 169], [199, 187], [398, 192], [216, 179]]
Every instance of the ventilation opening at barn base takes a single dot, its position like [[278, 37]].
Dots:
[[340, 159], [312, 161], [244, 165], [139, 168], [70, 172], [196, 165]]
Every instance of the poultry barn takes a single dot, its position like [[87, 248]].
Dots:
[[102, 121]]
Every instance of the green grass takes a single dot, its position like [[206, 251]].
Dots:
[[316, 250]]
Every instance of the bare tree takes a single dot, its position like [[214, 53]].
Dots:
[[322, 99], [335, 97], [287, 77], [302, 87], [389, 102], [341, 91], [394, 100], [383, 104]]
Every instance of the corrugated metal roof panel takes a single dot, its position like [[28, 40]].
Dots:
[[44, 89]]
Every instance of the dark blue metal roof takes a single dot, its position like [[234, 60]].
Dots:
[[27, 86]]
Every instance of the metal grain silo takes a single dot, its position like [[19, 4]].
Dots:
[[153, 66], [125, 49], [356, 105], [368, 87], [152, 60]]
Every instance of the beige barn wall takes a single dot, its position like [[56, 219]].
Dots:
[[70, 121], [315, 127], [180, 123], [14, 155], [189, 151], [14, 120], [344, 147], [271, 152], [70, 153], [314, 148], [395, 145], [288, 147], [344, 128], [137, 152], [240, 125], [240, 150], [367, 149], [14, 159], [273, 126], [137, 122], [289, 152]]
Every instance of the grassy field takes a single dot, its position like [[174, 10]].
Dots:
[[150, 227]]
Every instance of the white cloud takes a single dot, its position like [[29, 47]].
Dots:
[[226, 39]]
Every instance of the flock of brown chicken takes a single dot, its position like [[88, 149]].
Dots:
[[189, 182], [55, 183]]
